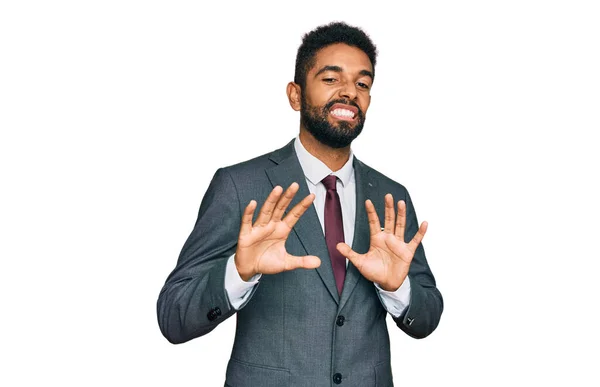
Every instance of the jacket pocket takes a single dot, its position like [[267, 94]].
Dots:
[[383, 375], [242, 374]]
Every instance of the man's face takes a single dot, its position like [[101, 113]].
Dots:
[[337, 95]]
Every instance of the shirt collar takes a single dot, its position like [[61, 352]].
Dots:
[[315, 170]]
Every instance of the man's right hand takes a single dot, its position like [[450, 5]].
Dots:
[[261, 246]]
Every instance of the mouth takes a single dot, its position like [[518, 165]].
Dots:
[[343, 112]]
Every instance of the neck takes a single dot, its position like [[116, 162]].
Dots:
[[334, 158]]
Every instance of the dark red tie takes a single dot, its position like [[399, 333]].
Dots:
[[334, 230]]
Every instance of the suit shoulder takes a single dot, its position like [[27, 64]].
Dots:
[[257, 165], [382, 180], [250, 166]]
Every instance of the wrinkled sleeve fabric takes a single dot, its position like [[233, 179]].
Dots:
[[424, 310], [194, 299]]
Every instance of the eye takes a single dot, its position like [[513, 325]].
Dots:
[[329, 80], [363, 85]]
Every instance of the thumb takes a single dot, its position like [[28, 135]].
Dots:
[[305, 262], [347, 252]]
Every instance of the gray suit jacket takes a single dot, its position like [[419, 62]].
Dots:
[[294, 330]]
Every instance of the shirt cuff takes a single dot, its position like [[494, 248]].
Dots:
[[237, 289], [395, 302]]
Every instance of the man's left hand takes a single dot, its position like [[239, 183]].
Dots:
[[389, 257]]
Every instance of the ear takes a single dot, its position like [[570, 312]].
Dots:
[[293, 92]]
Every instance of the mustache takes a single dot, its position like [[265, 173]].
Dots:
[[345, 102]]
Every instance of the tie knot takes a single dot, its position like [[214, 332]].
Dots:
[[329, 182]]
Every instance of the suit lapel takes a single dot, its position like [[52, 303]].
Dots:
[[308, 228], [365, 189]]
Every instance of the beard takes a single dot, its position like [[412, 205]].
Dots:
[[338, 135]]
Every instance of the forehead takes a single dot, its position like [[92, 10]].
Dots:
[[349, 58]]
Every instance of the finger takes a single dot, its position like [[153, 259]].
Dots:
[[353, 256], [388, 225], [246, 225], [374, 225], [266, 211], [306, 262], [401, 220], [414, 243], [284, 201], [295, 213]]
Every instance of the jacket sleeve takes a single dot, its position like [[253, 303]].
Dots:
[[193, 300], [426, 304]]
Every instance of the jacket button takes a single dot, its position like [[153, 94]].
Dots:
[[340, 321], [337, 378], [213, 314]]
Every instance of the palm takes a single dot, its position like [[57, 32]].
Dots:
[[267, 245], [389, 257], [261, 246]]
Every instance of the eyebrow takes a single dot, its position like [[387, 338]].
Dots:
[[338, 69]]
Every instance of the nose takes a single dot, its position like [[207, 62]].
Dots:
[[348, 90]]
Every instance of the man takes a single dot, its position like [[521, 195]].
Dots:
[[310, 309]]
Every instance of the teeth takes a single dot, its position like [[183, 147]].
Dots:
[[343, 113]]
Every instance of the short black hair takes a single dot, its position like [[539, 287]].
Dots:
[[326, 35]]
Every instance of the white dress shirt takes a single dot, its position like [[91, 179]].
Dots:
[[314, 171]]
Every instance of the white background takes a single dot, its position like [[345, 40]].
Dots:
[[114, 116]]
